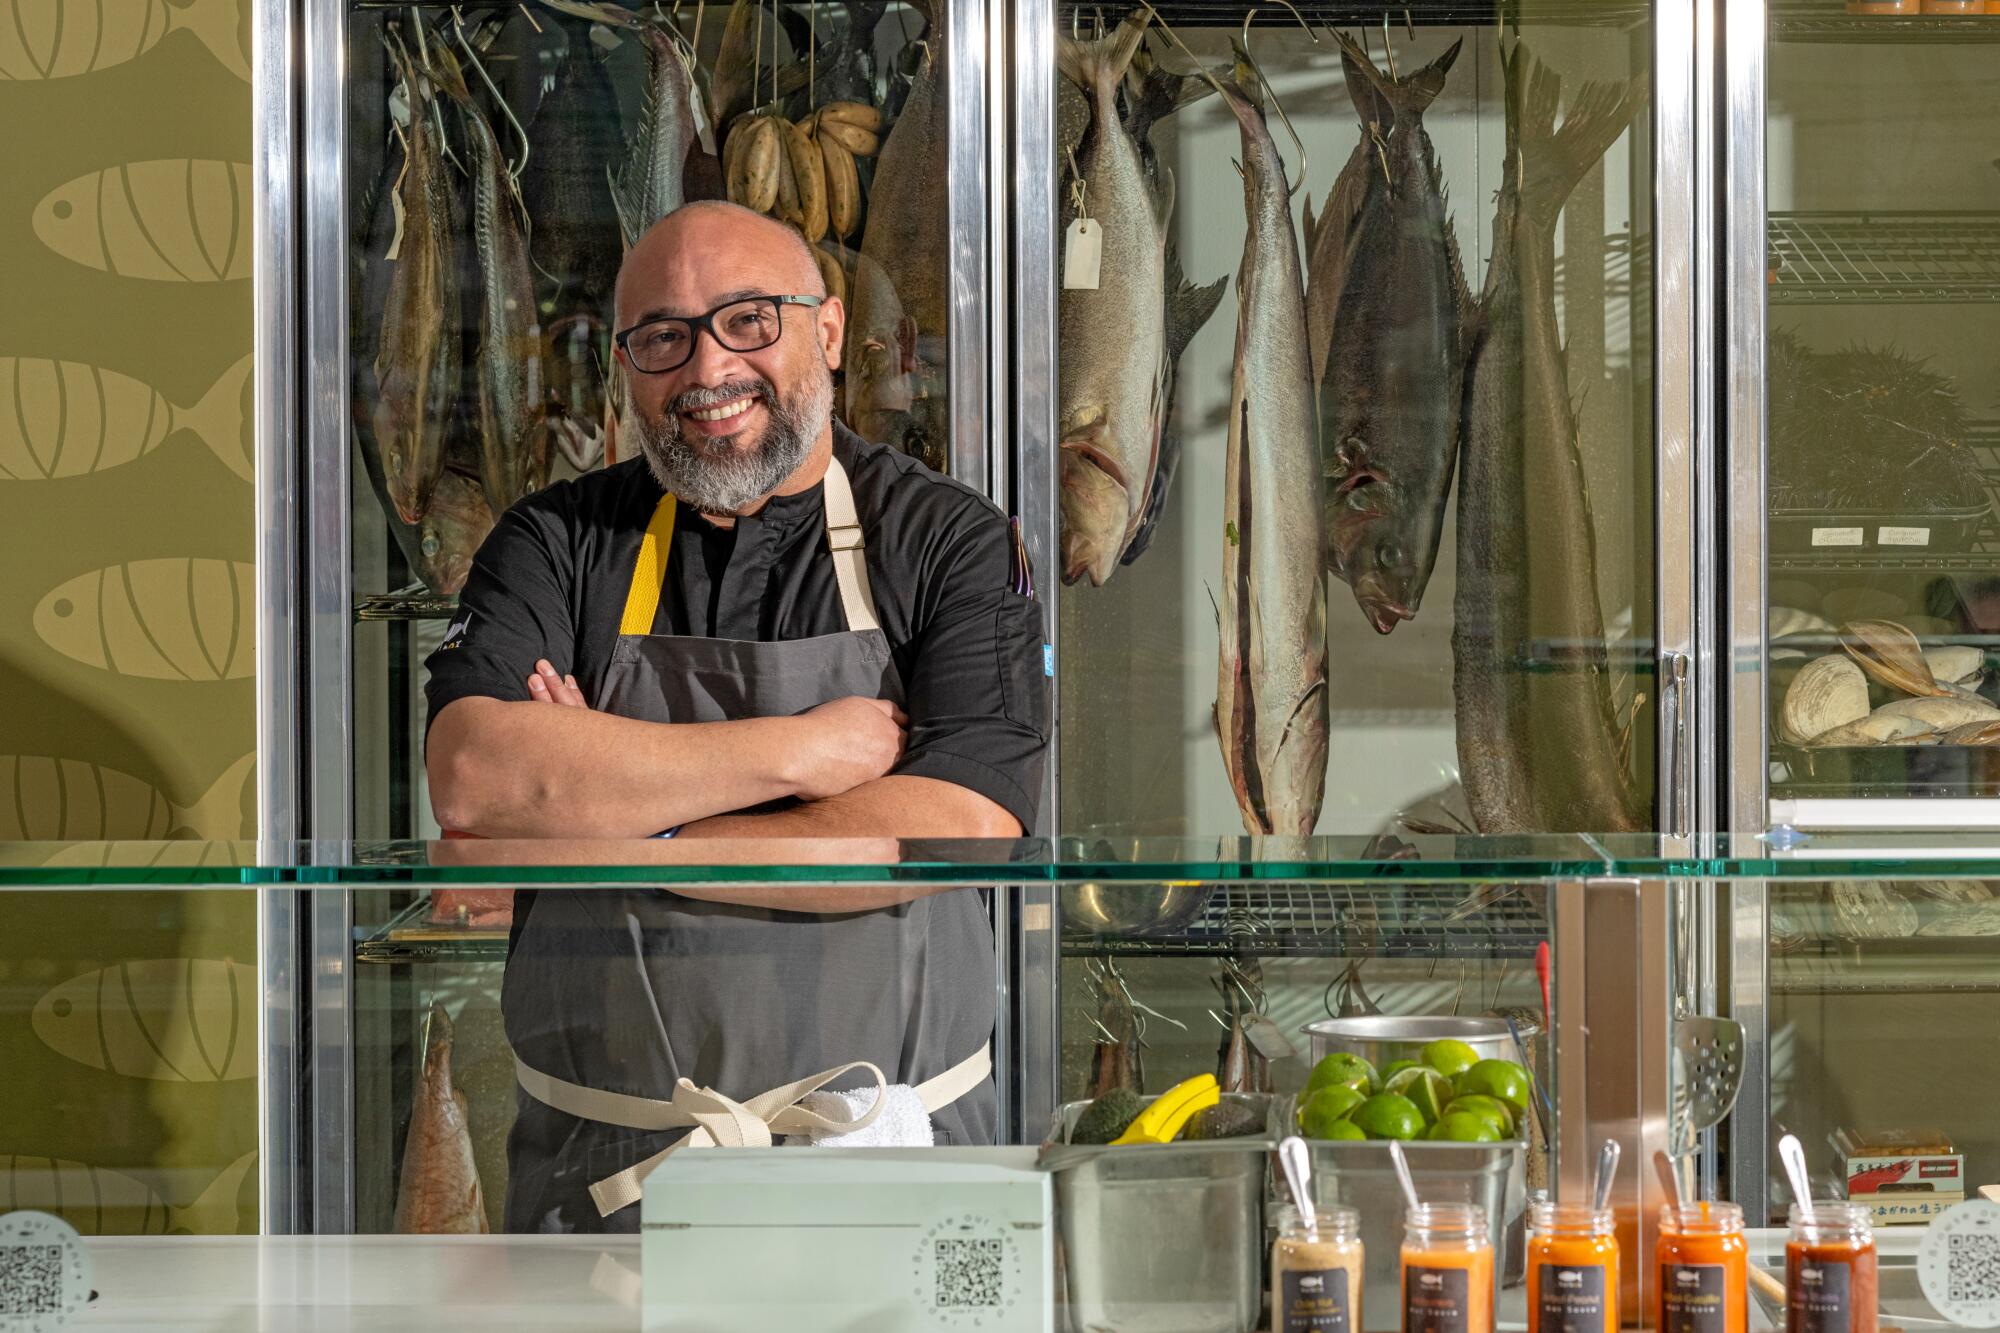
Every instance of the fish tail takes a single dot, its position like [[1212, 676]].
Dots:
[[1098, 66], [1188, 307], [218, 419], [218, 812], [213, 22], [215, 1213], [1551, 161], [1406, 98]]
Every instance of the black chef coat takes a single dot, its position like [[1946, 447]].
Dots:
[[550, 582]]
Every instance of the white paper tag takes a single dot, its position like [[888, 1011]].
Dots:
[[1902, 536], [1083, 255], [1269, 1039], [1838, 536]]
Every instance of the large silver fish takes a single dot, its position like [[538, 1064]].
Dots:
[[417, 356], [1271, 691], [1188, 309], [1538, 751], [438, 1192], [1112, 353], [897, 359], [1389, 398]]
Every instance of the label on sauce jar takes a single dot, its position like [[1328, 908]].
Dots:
[[1314, 1301], [1691, 1298], [1819, 1298], [1434, 1300], [1571, 1298]]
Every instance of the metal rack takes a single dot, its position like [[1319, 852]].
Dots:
[[411, 937], [413, 603], [1981, 557], [1884, 258], [1399, 13], [1810, 21], [1340, 921]]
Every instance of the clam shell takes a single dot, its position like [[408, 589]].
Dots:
[[1959, 922], [1941, 714], [1891, 655], [1828, 692], [1867, 911], [1955, 662], [1790, 620], [1956, 891], [1875, 729], [1972, 733]]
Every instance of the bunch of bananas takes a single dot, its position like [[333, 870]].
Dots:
[[803, 172]]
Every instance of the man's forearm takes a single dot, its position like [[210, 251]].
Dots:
[[890, 807], [530, 770]]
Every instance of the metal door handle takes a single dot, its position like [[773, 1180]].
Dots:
[[1680, 794]]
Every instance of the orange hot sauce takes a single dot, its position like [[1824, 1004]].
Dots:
[[1447, 1270], [1572, 1269], [1831, 1282], [1704, 1269]]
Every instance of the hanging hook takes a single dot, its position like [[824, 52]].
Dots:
[[514, 169]]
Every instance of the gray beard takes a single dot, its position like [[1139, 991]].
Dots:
[[718, 476]]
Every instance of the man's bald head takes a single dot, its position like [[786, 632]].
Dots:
[[728, 242]]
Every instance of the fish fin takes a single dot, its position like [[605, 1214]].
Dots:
[[625, 207], [1407, 97], [1163, 204], [218, 812], [1099, 66], [1369, 105], [1188, 307], [213, 22], [1552, 161], [1310, 228], [1159, 93], [1461, 293], [218, 419], [215, 1213]]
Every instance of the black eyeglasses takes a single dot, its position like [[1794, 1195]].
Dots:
[[748, 325]]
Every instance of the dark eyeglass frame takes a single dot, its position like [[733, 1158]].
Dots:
[[695, 324]]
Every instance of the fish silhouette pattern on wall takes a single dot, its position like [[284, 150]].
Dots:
[[169, 619], [60, 39], [49, 799], [176, 1020], [170, 220], [67, 419], [98, 1201]]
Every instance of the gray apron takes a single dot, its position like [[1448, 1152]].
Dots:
[[638, 1017]]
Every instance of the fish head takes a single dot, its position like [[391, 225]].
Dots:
[[68, 619], [452, 531], [1096, 506], [65, 1020], [1377, 536], [66, 221]]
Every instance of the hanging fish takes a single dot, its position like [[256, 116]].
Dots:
[[1271, 689], [176, 1020], [98, 1201], [67, 419], [1188, 309], [173, 220], [45, 799], [169, 619], [438, 1192], [60, 39], [843, 62]]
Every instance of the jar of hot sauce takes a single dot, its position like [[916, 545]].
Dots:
[[1704, 1269], [1572, 1269], [1831, 1284], [1447, 1269]]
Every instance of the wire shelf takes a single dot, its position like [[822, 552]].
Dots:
[[411, 937], [1398, 14], [412, 603], [1883, 258], [1342, 921], [1810, 21], [1981, 556]]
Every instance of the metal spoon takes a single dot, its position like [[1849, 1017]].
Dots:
[[1293, 1156], [1607, 1169], [1670, 1180], [1793, 1154], [1403, 1175]]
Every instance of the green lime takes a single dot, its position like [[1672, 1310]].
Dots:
[[1496, 1078], [1494, 1111], [1344, 1129], [1343, 1068], [1427, 1088], [1465, 1127], [1388, 1115], [1450, 1057], [1327, 1108], [1395, 1067]]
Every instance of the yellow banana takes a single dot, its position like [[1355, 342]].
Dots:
[[860, 142], [762, 159], [1171, 1110], [787, 209], [732, 158], [858, 114], [843, 186], [809, 173], [829, 272]]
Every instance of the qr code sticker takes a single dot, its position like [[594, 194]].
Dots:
[[1973, 1267], [968, 1273], [31, 1280]]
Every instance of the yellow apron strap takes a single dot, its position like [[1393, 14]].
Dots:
[[642, 599]]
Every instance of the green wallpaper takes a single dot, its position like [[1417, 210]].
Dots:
[[127, 1022]]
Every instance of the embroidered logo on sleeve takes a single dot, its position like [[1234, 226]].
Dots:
[[454, 637]]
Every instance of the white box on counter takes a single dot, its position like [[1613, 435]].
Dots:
[[881, 1239]]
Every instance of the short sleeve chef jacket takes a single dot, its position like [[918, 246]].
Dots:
[[550, 582]]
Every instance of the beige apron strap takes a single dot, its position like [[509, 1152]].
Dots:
[[642, 599], [961, 1078], [850, 560]]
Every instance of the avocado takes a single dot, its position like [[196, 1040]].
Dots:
[[1226, 1120], [1107, 1117]]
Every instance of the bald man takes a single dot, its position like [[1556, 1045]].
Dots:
[[761, 626]]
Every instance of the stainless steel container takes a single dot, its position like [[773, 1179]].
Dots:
[[1131, 909], [1363, 1177], [1380, 1038], [1160, 1238]]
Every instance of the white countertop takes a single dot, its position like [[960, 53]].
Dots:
[[330, 1283]]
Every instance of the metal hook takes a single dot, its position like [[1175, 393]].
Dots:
[[514, 169], [1388, 50]]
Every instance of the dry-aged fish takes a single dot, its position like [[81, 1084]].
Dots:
[[843, 63], [1188, 309], [514, 429], [417, 357], [438, 1192], [1271, 703], [1112, 349], [896, 368], [1537, 751], [1328, 238], [1389, 399]]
